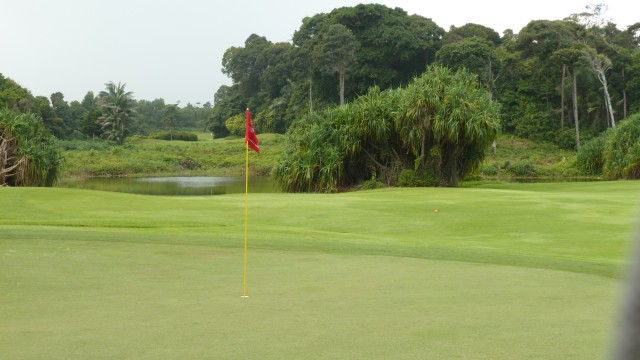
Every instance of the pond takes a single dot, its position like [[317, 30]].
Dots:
[[178, 185]]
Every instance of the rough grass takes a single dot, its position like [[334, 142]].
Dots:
[[513, 271], [521, 158], [147, 156]]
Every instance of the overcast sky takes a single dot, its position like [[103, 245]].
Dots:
[[172, 49]]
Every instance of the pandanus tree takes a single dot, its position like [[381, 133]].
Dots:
[[441, 124], [117, 111], [28, 154], [446, 121]]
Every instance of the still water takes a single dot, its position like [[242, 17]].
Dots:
[[179, 185]]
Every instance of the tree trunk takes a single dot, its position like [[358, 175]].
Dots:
[[607, 99], [449, 165], [600, 70], [624, 100], [575, 109], [564, 72], [624, 96], [342, 74], [310, 96]]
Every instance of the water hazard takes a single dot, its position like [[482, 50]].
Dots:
[[178, 185]]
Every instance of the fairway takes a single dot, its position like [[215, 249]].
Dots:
[[512, 271]]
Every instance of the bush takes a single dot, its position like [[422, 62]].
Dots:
[[189, 164], [522, 168], [409, 178], [567, 139], [177, 135], [372, 183], [622, 151], [29, 155], [490, 170], [590, 158]]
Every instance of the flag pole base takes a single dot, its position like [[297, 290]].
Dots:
[[244, 296]]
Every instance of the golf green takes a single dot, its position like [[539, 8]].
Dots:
[[503, 271]]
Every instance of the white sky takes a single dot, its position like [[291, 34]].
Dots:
[[172, 49]]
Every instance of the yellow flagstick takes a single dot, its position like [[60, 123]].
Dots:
[[246, 220]]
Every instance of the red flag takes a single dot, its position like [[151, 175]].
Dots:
[[250, 134]]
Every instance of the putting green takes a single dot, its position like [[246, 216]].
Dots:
[[104, 300], [503, 271]]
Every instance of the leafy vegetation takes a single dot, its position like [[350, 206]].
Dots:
[[622, 151], [438, 126], [515, 157], [28, 154], [179, 135]]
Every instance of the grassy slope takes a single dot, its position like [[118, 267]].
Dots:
[[160, 157], [542, 159], [91, 274]]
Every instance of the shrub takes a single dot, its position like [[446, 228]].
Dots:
[[29, 155], [567, 139], [409, 178], [522, 168], [590, 158], [189, 164], [372, 183], [490, 170], [176, 135], [622, 151]]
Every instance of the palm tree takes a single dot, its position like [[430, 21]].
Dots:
[[117, 111]]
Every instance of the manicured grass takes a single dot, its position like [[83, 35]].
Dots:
[[502, 271]]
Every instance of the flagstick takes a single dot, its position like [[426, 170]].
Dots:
[[246, 220]]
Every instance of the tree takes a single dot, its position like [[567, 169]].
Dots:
[[337, 52], [446, 121], [228, 103], [170, 118], [473, 53], [394, 47], [545, 48], [600, 65], [571, 57], [61, 107], [470, 30], [117, 111], [13, 96], [440, 126], [241, 64], [28, 154]]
